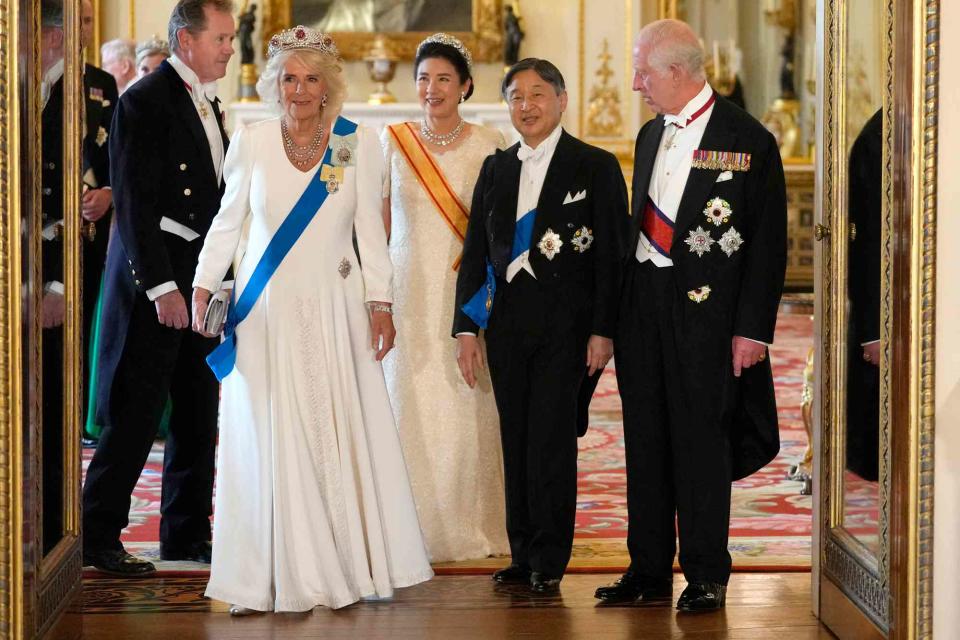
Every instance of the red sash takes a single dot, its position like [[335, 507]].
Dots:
[[658, 228]]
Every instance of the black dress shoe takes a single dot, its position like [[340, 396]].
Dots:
[[543, 583], [118, 562], [633, 588], [514, 574], [195, 552], [702, 596]]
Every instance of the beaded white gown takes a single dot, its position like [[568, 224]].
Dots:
[[450, 433], [313, 505]]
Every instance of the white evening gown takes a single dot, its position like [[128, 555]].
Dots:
[[450, 432], [313, 504]]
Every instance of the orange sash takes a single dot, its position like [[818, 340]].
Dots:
[[448, 204]]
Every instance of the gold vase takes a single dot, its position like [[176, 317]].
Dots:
[[248, 83], [381, 65]]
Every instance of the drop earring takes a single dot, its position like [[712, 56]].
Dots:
[[462, 97], [323, 102]]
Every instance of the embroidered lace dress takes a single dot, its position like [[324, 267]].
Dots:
[[313, 505], [450, 432]]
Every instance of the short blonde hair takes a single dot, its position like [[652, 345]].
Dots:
[[324, 65]]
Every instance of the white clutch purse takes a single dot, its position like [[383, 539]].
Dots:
[[216, 315]]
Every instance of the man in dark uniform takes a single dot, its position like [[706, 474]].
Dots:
[[702, 285], [51, 258], [100, 99], [541, 262], [166, 160], [99, 92]]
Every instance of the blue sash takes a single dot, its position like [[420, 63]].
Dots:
[[222, 359], [479, 306]]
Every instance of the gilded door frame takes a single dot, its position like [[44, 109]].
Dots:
[[12, 610], [34, 591], [893, 590]]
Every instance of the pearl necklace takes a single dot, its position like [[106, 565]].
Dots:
[[301, 156], [441, 139]]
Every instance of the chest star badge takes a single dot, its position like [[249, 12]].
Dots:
[[731, 241], [550, 244], [699, 294], [718, 211], [582, 239], [700, 241]]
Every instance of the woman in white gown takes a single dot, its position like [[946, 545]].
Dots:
[[450, 433], [313, 504]]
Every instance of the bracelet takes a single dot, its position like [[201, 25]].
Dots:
[[379, 306]]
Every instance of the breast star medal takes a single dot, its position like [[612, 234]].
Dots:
[[718, 211], [699, 294], [550, 244], [344, 268], [582, 239], [730, 241], [101, 136], [700, 241], [344, 150]]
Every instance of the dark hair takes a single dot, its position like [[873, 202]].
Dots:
[[51, 14], [544, 68], [189, 15], [451, 55]]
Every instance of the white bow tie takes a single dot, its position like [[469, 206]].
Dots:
[[678, 121], [208, 91], [525, 153]]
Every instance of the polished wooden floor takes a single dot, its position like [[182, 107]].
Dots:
[[759, 606]]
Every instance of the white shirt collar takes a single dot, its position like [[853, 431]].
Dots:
[[50, 78], [208, 90], [545, 148], [694, 105]]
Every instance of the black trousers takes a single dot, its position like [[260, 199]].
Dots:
[[676, 438], [156, 361], [52, 450], [536, 355]]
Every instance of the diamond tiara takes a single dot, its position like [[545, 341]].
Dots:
[[301, 37], [450, 41]]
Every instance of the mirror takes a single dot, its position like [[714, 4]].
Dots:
[[760, 56], [50, 225], [864, 136], [354, 24], [384, 15]]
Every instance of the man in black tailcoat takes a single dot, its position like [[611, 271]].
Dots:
[[863, 362], [702, 284], [550, 285], [167, 148]]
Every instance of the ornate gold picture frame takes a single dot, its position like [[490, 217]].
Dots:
[[485, 41]]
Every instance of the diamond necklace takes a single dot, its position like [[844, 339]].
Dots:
[[441, 139], [301, 156]]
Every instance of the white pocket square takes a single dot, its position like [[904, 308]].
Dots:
[[726, 175], [575, 198]]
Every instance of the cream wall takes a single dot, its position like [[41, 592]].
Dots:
[[551, 26], [946, 526]]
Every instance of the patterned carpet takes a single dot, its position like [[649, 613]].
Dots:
[[770, 520]]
